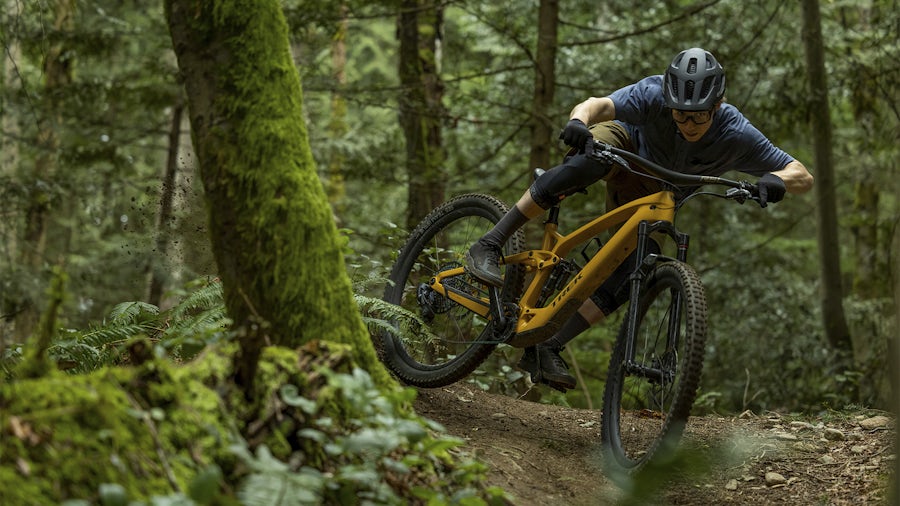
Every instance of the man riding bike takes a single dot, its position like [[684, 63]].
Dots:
[[678, 120]]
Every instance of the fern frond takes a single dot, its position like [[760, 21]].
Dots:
[[131, 312], [211, 319], [206, 297], [386, 317], [104, 336], [11, 357], [85, 358]]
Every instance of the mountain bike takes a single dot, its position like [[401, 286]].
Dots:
[[654, 370]]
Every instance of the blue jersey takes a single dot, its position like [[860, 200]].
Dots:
[[731, 143]]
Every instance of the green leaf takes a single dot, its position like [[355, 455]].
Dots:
[[290, 394], [205, 486]]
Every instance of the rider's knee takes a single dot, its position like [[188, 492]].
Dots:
[[574, 175], [542, 196]]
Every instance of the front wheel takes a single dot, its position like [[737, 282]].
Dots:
[[448, 341], [647, 401]]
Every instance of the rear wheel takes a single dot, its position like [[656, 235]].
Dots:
[[647, 402], [454, 340]]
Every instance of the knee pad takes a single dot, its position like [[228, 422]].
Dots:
[[573, 175]]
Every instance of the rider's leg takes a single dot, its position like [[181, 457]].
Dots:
[[483, 258], [587, 315], [573, 175], [544, 361]]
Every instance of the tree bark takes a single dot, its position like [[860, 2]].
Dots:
[[57, 68], [273, 237], [421, 107], [166, 204], [338, 127], [894, 359], [826, 205], [865, 227], [542, 127]]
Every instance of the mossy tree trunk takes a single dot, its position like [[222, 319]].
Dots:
[[273, 235]]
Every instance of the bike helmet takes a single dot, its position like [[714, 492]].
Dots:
[[694, 81]]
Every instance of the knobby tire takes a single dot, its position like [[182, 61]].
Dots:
[[644, 418]]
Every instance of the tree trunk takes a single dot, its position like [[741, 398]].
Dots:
[[867, 251], [421, 106], [9, 160], [894, 359], [826, 205], [57, 68], [163, 220], [542, 127], [338, 127], [273, 237]]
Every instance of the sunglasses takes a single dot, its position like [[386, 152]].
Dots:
[[698, 117]]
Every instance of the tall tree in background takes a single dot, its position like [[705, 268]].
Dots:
[[544, 83], [273, 236], [337, 126], [421, 105], [894, 359], [862, 26], [57, 71], [166, 208], [826, 205]]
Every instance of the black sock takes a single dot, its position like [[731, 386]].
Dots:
[[573, 326], [505, 228]]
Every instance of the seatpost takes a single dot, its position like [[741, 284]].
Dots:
[[553, 215]]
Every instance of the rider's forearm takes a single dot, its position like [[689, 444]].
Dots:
[[594, 110], [796, 178]]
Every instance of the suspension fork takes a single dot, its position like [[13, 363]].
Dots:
[[645, 263]]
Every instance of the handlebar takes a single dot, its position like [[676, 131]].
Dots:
[[738, 190]]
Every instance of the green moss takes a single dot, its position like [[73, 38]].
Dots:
[[160, 430], [54, 427], [148, 429]]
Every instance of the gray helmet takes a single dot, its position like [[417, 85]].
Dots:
[[694, 81]]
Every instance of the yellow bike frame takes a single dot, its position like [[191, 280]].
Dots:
[[535, 324]]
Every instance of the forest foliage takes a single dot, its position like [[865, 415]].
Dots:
[[91, 91]]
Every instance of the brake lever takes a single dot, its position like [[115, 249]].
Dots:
[[600, 152], [738, 194], [747, 191]]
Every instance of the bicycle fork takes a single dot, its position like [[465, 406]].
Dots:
[[643, 267]]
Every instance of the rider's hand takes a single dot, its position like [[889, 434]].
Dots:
[[576, 134], [771, 189]]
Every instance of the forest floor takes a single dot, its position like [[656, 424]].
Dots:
[[548, 455]]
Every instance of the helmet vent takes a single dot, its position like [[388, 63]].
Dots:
[[692, 66], [707, 85]]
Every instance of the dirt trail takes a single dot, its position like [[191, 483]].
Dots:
[[549, 455]]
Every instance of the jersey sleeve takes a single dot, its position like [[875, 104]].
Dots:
[[637, 103], [759, 156]]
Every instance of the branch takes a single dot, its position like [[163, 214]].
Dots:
[[641, 31]]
